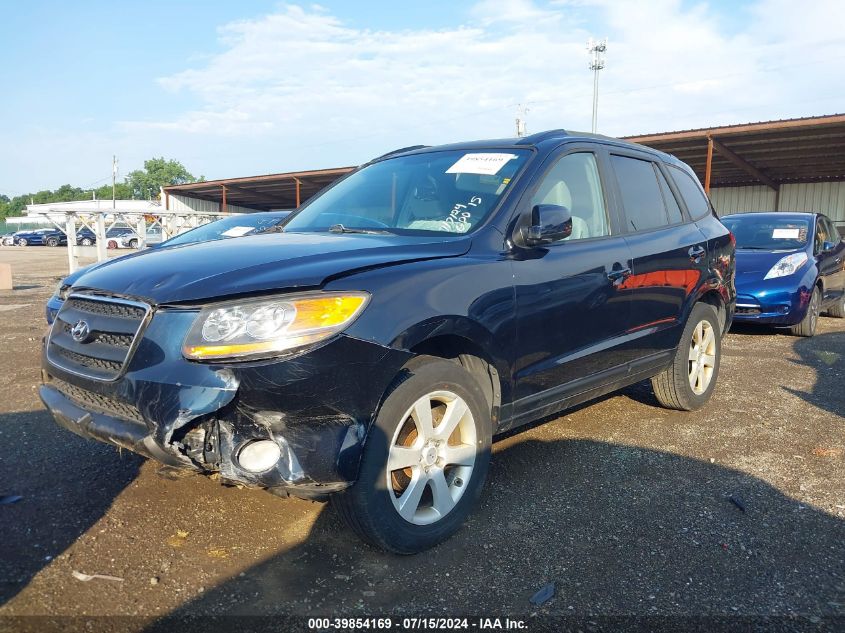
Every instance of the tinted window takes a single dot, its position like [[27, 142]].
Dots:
[[574, 183], [693, 195], [641, 197], [671, 204]]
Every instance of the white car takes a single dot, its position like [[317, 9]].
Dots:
[[131, 240]]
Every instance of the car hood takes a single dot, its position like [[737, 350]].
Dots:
[[758, 263], [264, 262]]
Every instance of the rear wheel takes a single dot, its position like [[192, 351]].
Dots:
[[425, 460], [52, 241], [112, 244], [133, 243], [87, 241], [807, 327], [688, 382]]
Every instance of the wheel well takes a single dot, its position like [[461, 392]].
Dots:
[[472, 358], [714, 299]]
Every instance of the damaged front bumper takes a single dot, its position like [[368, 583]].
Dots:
[[316, 407]]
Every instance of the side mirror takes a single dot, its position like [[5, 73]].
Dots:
[[828, 246], [549, 223]]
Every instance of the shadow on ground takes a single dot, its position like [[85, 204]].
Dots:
[[618, 529], [67, 484], [817, 353]]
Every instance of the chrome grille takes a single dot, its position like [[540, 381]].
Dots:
[[111, 327]]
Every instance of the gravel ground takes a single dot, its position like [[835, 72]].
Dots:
[[623, 505]]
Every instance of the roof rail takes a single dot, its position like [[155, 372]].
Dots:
[[402, 150], [533, 139]]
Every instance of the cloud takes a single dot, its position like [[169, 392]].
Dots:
[[302, 88]]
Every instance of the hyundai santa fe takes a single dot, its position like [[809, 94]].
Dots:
[[368, 350]]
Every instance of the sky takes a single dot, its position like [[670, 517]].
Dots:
[[255, 87]]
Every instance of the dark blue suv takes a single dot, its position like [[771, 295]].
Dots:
[[369, 349]]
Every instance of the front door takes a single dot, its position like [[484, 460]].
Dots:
[[569, 308]]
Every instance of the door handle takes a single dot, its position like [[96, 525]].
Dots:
[[618, 274], [696, 252]]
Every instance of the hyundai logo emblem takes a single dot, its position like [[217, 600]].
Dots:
[[80, 331]]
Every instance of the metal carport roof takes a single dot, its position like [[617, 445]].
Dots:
[[271, 191], [771, 153]]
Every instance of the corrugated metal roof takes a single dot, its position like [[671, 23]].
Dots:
[[809, 149]]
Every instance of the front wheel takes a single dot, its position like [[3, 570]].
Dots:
[[688, 382], [87, 241], [425, 460], [52, 241], [133, 243], [807, 326], [22, 242]]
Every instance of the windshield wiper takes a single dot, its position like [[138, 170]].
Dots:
[[339, 228]]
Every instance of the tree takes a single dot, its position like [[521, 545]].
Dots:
[[157, 172]]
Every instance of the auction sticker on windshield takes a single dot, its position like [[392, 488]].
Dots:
[[486, 164], [237, 231], [785, 234]]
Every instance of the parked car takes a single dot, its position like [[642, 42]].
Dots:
[[41, 237], [131, 239], [238, 225], [226, 228], [789, 268], [430, 300], [114, 233], [7, 239], [85, 236]]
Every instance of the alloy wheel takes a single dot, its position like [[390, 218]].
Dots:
[[702, 357], [431, 457]]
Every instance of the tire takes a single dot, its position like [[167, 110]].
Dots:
[[807, 326], [111, 244], [22, 242], [372, 506], [133, 243], [87, 241], [52, 241], [837, 311], [683, 386]]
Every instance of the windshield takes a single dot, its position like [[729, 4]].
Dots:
[[767, 233], [235, 226], [449, 192]]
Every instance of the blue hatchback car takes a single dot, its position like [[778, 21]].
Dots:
[[789, 269]]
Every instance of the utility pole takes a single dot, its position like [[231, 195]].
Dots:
[[521, 115], [596, 48], [113, 177]]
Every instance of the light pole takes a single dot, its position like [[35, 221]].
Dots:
[[596, 50]]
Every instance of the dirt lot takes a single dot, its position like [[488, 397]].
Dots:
[[622, 504]]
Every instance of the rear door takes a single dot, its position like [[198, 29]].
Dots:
[[668, 251]]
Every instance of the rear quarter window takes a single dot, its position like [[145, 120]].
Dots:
[[693, 195]]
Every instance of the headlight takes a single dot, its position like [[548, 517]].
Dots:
[[264, 327], [62, 290], [787, 265]]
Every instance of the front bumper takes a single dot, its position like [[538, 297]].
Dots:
[[771, 303], [316, 406]]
